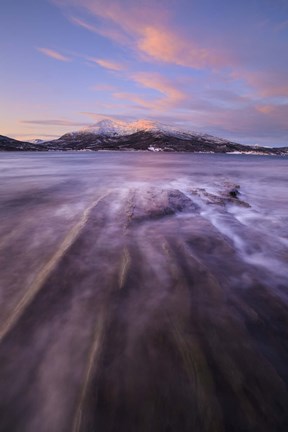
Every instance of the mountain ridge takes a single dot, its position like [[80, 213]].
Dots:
[[141, 135], [120, 128]]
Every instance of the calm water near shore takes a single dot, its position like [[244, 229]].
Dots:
[[143, 292]]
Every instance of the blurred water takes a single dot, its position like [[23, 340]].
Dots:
[[138, 294]]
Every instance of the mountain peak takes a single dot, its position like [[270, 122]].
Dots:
[[117, 128]]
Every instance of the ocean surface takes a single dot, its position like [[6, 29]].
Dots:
[[143, 292]]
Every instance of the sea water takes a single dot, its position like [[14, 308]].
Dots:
[[143, 292]]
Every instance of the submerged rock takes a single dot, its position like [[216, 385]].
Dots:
[[234, 193], [230, 195], [155, 203]]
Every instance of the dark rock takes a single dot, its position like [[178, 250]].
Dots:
[[234, 193]]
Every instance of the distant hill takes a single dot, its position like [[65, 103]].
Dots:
[[10, 144]]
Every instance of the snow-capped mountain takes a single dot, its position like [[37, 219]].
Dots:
[[120, 128], [140, 135]]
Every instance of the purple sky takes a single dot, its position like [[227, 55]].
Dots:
[[216, 66]]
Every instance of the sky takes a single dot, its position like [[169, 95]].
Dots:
[[214, 66]]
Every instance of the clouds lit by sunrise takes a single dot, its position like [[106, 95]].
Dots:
[[215, 66]]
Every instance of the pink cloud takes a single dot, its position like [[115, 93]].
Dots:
[[165, 45], [146, 26], [53, 122], [101, 116], [107, 64], [84, 24], [263, 83], [167, 96], [265, 109], [249, 121], [107, 31], [132, 97], [54, 54], [172, 94], [276, 114]]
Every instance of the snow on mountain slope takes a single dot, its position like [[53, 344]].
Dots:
[[120, 128], [37, 141], [110, 127]]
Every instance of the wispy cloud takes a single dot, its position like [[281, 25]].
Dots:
[[146, 27], [164, 45], [158, 82], [135, 98], [101, 116], [265, 109], [42, 135], [54, 54], [108, 31], [107, 64], [81, 23], [172, 95], [149, 28], [264, 83], [236, 67], [53, 122]]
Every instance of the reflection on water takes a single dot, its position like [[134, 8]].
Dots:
[[143, 292]]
